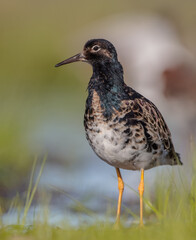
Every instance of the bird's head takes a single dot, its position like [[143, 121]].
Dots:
[[95, 51]]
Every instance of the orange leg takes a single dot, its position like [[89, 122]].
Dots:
[[121, 188], [141, 192]]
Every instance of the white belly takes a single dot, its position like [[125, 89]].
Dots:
[[110, 145]]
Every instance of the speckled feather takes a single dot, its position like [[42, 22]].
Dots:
[[124, 128]]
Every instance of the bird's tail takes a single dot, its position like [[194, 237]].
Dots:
[[177, 159]]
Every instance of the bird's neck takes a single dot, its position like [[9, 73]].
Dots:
[[107, 77], [107, 81]]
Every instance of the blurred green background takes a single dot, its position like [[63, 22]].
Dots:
[[42, 107]]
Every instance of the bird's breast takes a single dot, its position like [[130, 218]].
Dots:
[[112, 140]]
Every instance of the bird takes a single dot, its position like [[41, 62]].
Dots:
[[125, 129]]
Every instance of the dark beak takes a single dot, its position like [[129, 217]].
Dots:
[[76, 58]]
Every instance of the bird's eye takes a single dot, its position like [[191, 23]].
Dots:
[[96, 48]]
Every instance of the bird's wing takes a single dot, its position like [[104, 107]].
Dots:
[[153, 122], [144, 112]]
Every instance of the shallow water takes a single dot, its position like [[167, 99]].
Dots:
[[85, 194]]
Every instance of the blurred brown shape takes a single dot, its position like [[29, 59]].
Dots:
[[180, 82]]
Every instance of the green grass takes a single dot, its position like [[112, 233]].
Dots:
[[170, 213], [32, 189], [172, 228]]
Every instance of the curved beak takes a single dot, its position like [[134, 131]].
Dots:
[[75, 58]]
